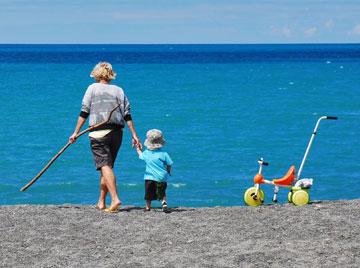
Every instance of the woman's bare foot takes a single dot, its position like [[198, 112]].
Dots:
[[100, 206]]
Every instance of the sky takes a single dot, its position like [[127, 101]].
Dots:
[[179, 21]]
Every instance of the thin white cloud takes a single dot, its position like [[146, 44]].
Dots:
[[284, 31], [149, 15], [356, 30], [329, 23], [310, 32]]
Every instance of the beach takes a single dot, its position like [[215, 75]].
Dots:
[[323, 233], [234, 92]]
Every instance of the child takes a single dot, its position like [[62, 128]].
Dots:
[[158, 166]]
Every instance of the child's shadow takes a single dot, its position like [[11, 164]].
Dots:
[[156, 209]]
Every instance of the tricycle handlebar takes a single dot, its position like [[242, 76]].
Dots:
[[262, 162], [332, 117]]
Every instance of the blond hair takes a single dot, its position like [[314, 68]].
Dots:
[[103, 71]]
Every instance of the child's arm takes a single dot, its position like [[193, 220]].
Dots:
[[138, 150], [169, 163], [168, 168]]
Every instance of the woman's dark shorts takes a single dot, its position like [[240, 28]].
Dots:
[[155, 190], [105, 149]]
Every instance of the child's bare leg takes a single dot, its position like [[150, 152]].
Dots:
[[164, 204], [148, 204]]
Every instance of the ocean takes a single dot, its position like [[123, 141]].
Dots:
[[220, 107]]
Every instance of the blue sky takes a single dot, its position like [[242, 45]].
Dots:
[[179, 21]]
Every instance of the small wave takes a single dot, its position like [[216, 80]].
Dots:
[[131, 184], [350, 113], [178, 185], [65, 183]]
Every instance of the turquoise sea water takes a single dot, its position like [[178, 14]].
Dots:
[[221, 107]]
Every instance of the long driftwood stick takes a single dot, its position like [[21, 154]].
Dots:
[[64, 148]]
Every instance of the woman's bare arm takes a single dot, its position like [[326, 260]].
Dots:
[[79, 124], [135, 139]]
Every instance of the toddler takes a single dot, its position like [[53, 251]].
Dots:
[[158, 166]]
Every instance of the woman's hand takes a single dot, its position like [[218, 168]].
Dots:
[[136, 142], [135, 139], [72, 138], [79, 124]]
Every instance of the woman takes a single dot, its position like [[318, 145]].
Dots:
[[99, 100]]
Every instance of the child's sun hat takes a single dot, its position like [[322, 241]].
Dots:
[[154, 139]]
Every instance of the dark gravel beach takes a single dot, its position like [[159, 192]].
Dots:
[[320, 234]]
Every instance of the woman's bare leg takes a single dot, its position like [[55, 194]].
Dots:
[[103, 192], [110, 181]]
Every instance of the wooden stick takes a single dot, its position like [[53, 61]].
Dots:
[[64, 148]]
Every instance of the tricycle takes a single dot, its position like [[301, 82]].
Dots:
[[299, 188]]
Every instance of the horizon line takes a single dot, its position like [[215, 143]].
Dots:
[[179, 44]]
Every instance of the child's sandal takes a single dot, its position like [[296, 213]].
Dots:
[[164, 207]]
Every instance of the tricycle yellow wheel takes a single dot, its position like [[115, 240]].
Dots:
[[290, 196], [300, 198], [252, 200]]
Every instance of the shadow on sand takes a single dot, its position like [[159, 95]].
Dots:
[[156, 209], [132, 208]]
